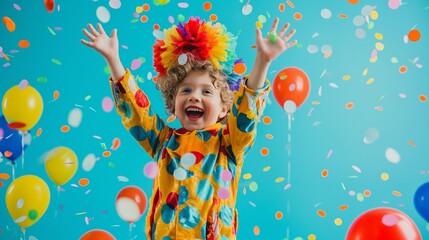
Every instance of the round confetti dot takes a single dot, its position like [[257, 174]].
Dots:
[[353, 1], [367, 193], [402, 69], [103, 14], [115, 4], [145, 7], [83, 182], [326, 13], [358, 20], [32, 214], [107, 104], [264, 151], [289, 106], [350, 105], [392, 155], [65, 128], [360, 33], [297, 16], [371, 135], [338, 221], [88, 162], [366, 10], [247, 9], [253, 186], [373, 15], [414, 35], [75, 117], [279, 215], [183, 59], [312, 49], [384, 176], [311, 237], [144, 19], [266, 120], [325, 173], [259, 24], [360, 197], [256, 230], [394, 4], [266, 169], [343, 207], [422, 98], [240, 68], [213, 17], [151, 170], [106, 154], [23, 44], [207, 6], [321, 213], [247, 176], [282, 7]]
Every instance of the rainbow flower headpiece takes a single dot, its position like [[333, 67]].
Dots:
[[204, 41]]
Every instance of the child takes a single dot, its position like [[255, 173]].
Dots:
[[195, 191]]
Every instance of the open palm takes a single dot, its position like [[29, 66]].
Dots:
[[272, 46], [105, 45]]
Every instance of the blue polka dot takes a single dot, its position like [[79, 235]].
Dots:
[[245, 124], [183, 195], [223, 237], [173, 165], [203, 231], [167, 214], [204, 190], [234, 110], [159, 123], [138, 133], [173, 144], [125, 109], [189, 217], [208, 164], [225, 215]]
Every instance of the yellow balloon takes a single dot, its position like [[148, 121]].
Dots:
[[22, 107], [61, 165], [27, 199]]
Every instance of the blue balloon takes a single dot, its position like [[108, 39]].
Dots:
[[11, 141], [421, 201]]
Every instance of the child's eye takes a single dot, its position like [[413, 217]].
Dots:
[[207, 92], [185, 90]]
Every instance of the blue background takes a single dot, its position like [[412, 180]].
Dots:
[[321, 125]]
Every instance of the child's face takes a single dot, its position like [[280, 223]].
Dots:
[[198, 104]]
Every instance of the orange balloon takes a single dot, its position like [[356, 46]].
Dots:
[[97, 234], [50, 5], [383, 223], [131, 203], [291, 84]]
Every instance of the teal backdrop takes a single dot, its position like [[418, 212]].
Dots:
[[360, 140]]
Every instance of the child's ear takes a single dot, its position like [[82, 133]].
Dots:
[[223, 111]]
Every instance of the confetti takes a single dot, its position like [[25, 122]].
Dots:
[[10, 24]]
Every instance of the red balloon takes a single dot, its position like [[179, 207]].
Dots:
[[291, 84], [381, 224], [97, 234], [131, 203]]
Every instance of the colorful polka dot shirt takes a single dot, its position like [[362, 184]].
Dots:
[[195, 191]]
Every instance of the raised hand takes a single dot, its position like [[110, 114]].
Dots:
[[276, 43], [98, 40]]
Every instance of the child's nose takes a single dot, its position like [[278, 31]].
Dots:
[[194, 97]]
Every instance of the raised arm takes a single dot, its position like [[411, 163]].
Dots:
[[107, 47], [269, 49]]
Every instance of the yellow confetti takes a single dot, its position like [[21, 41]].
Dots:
[[279, 179], [346, 77], [370, 81], [266, 169], [338, 221], [378, 36], [384, 176], [247, 176]]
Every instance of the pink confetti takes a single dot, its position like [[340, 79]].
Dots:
[[357, 169], [352, 193], [86, 220], [394, 4], [124, 47], [17, 7], [374, 53], [183, 5], [287, 186], [107, 104], [136, 63], [329, 154], [23, 84]]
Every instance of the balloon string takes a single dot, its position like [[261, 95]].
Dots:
[[13, 170], [22, 145], [289, 149], [130, 230]]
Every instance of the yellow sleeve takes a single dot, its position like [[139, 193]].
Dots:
[[247, 109], [147, 128]]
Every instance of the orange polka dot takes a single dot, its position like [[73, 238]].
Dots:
[[65, 128], [106, 154], [207, 6], [321, 213], [297, 16], [83, 182], [402, 69], [423, 98], [144, 18], [264, 151], [23, 44], [353, 1], [325, 173], [146, 7], [266, 120], [156, 26], [279, 215], [414, 35], [350, 105], [4, 176], [281, 7], [155, 79], [240, 68], [213, 17]]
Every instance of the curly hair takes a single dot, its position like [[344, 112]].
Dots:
[[169, 83]]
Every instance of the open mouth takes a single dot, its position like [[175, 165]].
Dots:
[[194, 112]]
